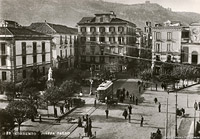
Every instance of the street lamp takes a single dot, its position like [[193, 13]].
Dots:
[[176, 133]]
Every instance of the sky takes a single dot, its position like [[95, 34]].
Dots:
[[175, 5]]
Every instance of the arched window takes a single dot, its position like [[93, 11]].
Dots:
[[194, 57]]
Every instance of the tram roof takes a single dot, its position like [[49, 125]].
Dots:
[[105, 85]]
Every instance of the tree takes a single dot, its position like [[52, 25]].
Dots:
[[21, 110], [6, 121], [10, 90], [53, 95], [68, 88]]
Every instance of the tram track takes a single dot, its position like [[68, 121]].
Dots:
[[74, 126]]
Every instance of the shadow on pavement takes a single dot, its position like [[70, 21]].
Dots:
[[102, 118]]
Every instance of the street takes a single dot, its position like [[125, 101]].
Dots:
[[116, 127]]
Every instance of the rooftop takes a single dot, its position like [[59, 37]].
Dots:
[[49, 28]]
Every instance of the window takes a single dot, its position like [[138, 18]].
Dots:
[[3, 61], [102, 59], [168, 47], [34, 59], [194, 57], [92, 38], [61, 40], [83, 39], [157, 57], [3, 75], [24, 60], [92, 59], [112, 29], [169, 35], [70, 39], [23, 48], [43, 58], [3, 48], [120, 29], [24, 74], [102, 29], [70, 52], [92, 29], [158, 36], [83, 50], [121, 40], [34, 47], [111, 39], [66, 42], [43, 70], [43, 46], [157, 48], [102, 39], [101, 19], [83, 29]]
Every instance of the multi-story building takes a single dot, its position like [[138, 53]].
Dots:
[[166, 43], [191, 44], [104, 41], [23, 53], [64, 49]]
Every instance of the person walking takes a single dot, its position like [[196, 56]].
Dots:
[[130, 97], [125, 114], [195, 105], [107, 112], [127, 94], [40, 117], [55, 112], [129, 118], [136, 101], [159, 107], [155, 100], [142, 120], [79, 122], [133, 98], [95, 102], [130, 109], [199, 105]]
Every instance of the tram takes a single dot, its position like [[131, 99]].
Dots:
[[105, 91]]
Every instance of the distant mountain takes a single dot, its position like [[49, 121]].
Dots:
[[70, 12]]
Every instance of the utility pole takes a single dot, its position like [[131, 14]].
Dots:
[[176, 133], [194, 121], [166, 130]]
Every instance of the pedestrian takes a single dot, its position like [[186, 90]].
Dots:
[[129, 118], [142, 119], [130, 97], [79, 122], [83, 117], [155, 100], [61, 109], [95, 102], [40, 117], [130, 109], [195, 105], [159, 107], [107, 112], [140, 89], [156, 86], [158, 131], [136, 101], [127, 94], [133, 98], [162, 85], [86, 130], [39, 134], [199, 105], [89, 130], [125, 114], [55, 112]]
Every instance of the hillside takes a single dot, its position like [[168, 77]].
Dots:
[[69, 12]]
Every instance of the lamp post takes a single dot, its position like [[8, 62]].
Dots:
[[166, 130], [176, 133]]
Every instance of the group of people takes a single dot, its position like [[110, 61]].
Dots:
[[87, 126]]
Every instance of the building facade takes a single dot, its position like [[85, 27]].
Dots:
[[191, 44], [24, 53], [166, 43], [64, 49], [104, 40]]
